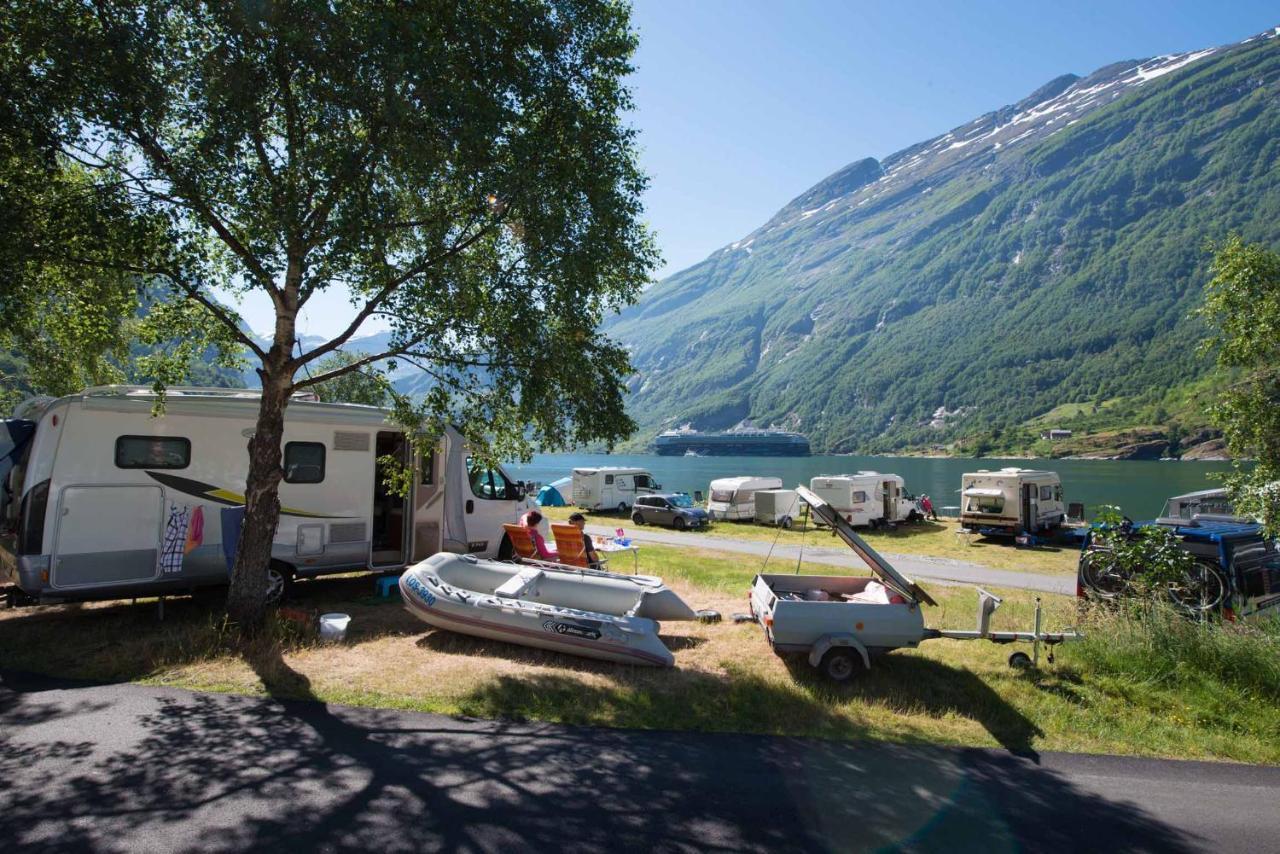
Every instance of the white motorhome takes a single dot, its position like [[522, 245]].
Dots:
[[779, 507], [611, 487], [734, 498], [1012, 500], [113, 502], [866, 498]]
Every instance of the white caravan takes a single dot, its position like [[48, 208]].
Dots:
[[1012, 500], [779, 507], [611, 487], [116, 503], [866, 498], [734, 498]]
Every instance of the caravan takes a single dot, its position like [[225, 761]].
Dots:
[[866, 498], [734, 498], [611, 487], [112, 502], [1012, 500]]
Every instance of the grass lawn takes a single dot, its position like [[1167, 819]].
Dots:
[[725, 679], [929, 539]]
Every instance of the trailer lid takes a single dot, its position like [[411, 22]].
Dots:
[[877, 564]]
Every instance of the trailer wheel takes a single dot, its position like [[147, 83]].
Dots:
[[279, 582], [785, 523], [840, 664], [1020, 661]]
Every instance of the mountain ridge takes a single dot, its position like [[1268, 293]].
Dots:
[[1063, 211]]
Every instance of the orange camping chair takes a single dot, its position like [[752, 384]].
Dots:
[[569, 545], [521, 542]]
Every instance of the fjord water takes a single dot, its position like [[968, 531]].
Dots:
[[1138, 487]]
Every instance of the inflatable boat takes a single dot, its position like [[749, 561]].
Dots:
[[578, 611]]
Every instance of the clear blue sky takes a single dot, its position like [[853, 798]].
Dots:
[[743, 105]]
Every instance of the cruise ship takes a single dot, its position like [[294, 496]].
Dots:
[[735, 443]]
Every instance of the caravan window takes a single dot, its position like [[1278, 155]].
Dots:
[[153, 452], [859, 497], [303, 462], [722, 495], [1046, 493]]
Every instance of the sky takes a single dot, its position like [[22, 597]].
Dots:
[[742, 105]]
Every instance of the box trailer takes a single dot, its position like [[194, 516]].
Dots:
[[866, 498], [779, 507], [734, 498], [116, 503], [1012, 501], [611, 487]]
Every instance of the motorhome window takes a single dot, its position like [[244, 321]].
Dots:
[[1046, 493], [303, 462], [859, 497], [986, 504], [492, 485], [608, 480], [429, 469], [642, 480], [152, 452]]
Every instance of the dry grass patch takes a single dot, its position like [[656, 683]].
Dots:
[[725, 678]]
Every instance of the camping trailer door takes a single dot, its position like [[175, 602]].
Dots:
[[109, 535]]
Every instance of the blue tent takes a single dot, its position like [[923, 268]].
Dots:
[[551, 496]]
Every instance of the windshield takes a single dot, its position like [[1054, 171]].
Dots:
[[681, 501]]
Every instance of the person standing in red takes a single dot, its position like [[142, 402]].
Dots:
[[926, 504]]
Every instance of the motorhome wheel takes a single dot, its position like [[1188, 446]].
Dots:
[[840, 664], [622, 508], [279, 581]]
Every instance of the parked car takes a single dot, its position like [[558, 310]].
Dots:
[[674, 508], [1237, 571]]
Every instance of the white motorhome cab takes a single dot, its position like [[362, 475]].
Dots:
[[113, 502], [734, 498], [779, 507], [866, 498], [1012, 500], [611, 487]]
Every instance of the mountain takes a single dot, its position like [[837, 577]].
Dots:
[[1044, 258]]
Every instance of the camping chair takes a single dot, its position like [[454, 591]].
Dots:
[[572, 547], [521, 542]]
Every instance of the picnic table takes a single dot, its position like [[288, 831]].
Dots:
[[611, 546]]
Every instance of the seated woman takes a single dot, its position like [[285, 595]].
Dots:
[[532, 520]]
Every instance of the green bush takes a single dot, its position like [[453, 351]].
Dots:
[[1152, 643]]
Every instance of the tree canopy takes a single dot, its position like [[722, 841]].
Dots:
[[1242, 302], [460, 169]]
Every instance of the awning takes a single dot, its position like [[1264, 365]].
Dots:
[[985, 493]]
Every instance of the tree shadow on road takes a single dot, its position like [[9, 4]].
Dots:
[[218, 773]]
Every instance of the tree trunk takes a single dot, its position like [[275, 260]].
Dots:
[[246, 598]]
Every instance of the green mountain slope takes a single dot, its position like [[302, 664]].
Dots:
[[1048, 253]]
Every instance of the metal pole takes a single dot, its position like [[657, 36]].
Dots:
[[1035, 644]]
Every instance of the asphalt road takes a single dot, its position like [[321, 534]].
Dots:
[[783, 558], [129, 768]]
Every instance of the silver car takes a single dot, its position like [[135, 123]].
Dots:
[[675, 509]]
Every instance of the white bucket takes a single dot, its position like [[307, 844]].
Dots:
[[334, 626]]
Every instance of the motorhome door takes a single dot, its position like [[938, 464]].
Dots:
[[390, 525], [1030, 506], [108, 535]]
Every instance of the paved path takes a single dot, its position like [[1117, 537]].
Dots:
[[916, 566], [130, 768]]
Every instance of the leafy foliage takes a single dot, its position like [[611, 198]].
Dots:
[[1242, 303], [368, 386]]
